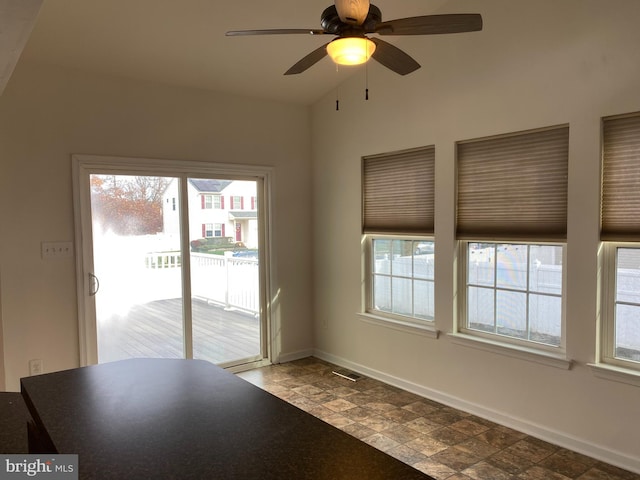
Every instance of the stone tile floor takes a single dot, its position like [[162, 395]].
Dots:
[[442, 442]]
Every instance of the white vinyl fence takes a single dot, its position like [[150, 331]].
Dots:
[[544, 279], [627, 322]]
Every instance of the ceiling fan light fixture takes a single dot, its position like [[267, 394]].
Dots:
[[351, 50]]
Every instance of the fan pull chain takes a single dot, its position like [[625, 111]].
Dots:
[[366, 81], [337, 94]]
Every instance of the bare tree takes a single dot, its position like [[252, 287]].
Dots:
[[128, 205]]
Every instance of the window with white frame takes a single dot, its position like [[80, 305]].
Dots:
[[511, 226], [621, 318], [208, 202], [217, 202], [218, 230], [620, 234], [515, 290], [208, 230], [398, 219], [402, 277], [237, 202]]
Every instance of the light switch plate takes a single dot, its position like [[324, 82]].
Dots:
[[57, 250]]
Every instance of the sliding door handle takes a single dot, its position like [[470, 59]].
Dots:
[[94, 284]]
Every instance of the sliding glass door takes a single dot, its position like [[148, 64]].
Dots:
[[224, 256], [137, 269], [171, 265]]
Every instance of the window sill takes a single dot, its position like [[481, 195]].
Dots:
[[515, 351], [615, 373], [395, 324]]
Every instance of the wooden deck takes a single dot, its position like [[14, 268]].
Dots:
[[155, 330]]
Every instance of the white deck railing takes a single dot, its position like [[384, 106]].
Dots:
[[228, 281]]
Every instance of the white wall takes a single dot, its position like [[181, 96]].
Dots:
[[48, 113], [535, 64]]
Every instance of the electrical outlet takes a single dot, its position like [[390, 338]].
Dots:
[[57, 250], [35, 367]]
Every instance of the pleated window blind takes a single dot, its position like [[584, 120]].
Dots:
[[620, 202], [513, 186], [398, 192]]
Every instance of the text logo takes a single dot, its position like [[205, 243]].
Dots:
[[51, 467]]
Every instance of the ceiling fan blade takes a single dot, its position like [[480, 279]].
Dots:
[[308, 61], [275, 31], [352, 12], [393, 58], [431, 24]]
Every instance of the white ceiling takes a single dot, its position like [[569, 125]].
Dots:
[[183, 42]]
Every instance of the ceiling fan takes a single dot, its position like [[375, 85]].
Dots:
[[352, 20]]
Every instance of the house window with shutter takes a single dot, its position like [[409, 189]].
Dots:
[[397, 224], [511, 224], [237, 203], [620, 236]]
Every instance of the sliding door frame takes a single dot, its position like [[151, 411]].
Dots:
[[85, 165]]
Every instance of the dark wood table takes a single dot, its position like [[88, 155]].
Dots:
[[189, 419]]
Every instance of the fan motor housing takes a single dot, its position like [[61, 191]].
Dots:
[[331, 23]]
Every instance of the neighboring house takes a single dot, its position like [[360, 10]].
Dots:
[[217, 208]]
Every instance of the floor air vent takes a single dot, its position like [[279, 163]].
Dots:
[[354, 377]]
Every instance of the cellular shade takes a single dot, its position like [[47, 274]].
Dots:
[[513, 186], [620, 202], [398, 192]]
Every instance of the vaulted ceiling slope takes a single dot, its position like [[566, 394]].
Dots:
[[17, 18], [183, 42]]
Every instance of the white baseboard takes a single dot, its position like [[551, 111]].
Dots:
[[291, 356], [599, 452]]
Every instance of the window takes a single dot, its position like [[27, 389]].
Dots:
[[402, 277], [515, 290], [397, 215], [511, 224], [212, 230], [217, 202], [620, 232], [237, 203], [621, 333], [208, 201]]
